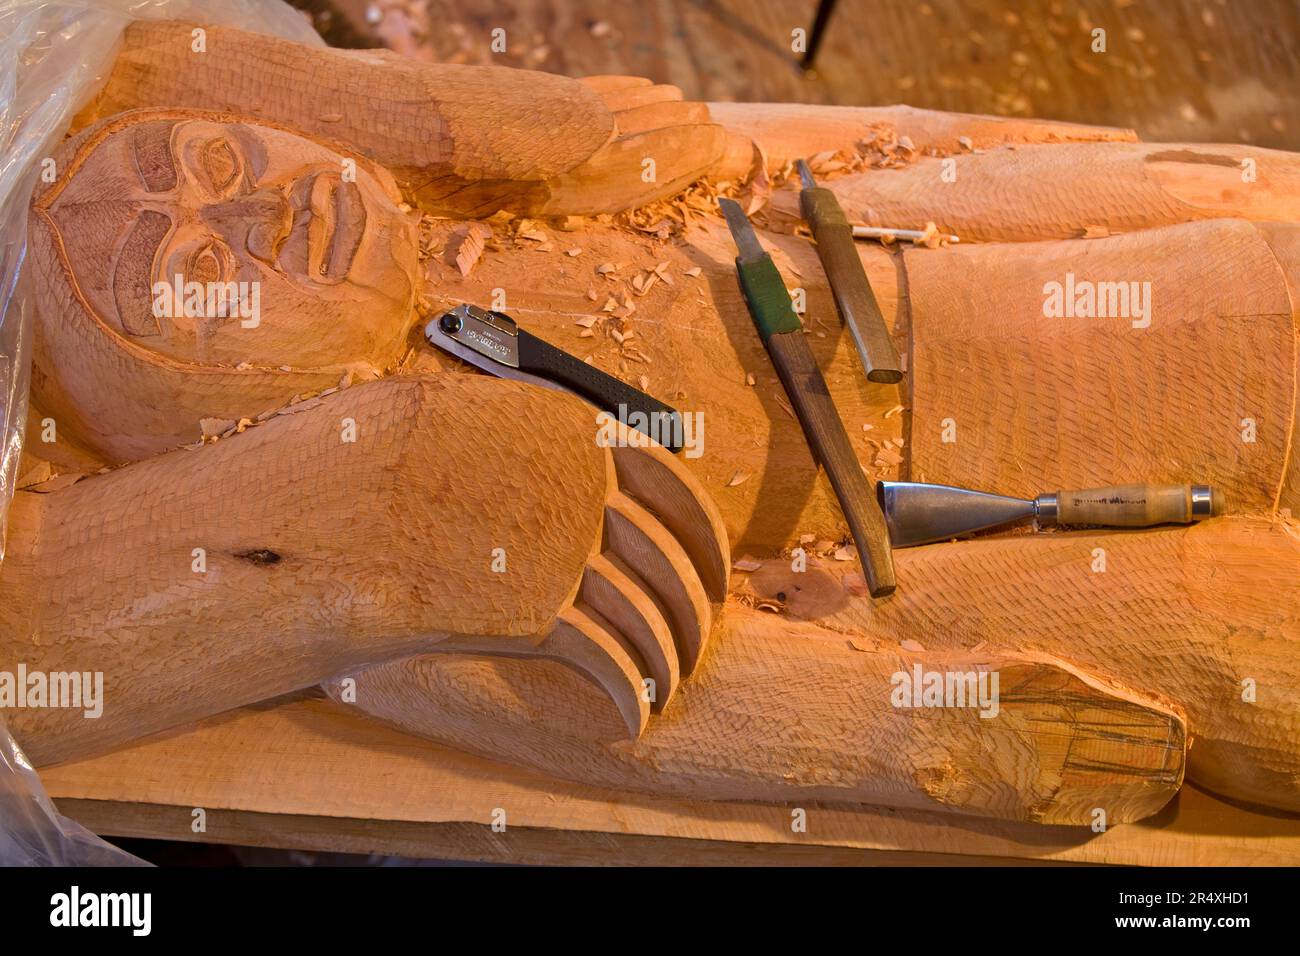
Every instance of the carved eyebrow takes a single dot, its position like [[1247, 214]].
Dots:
[[132, 291], [252, 148], [151, 145]]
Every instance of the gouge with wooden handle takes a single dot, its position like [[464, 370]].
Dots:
[[782, 333], [853, 296], [917, 513]]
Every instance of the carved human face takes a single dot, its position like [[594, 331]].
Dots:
[[211, 201]]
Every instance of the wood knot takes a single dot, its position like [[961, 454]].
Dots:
[[263, 556]]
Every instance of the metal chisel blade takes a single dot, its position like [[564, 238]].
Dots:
[[742, 231]]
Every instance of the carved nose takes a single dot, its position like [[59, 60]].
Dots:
[[262, 218]]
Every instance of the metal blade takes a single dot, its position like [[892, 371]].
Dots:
[[434, 334], [805, 175], [917, 513], [742, 231]]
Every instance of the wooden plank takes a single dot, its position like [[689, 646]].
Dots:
[[311, 774]]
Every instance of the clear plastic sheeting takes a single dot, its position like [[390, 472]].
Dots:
[[32, 832], [54, 56]]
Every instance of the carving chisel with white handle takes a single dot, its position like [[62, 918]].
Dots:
[[493, 342], [918, 513], [782, 334]]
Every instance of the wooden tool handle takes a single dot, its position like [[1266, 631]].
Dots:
[[821, 423], [1137, 506], [849, 285]]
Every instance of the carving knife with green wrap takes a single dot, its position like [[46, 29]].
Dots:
[[782, 334]]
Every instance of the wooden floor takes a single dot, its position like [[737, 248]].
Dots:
[[1195, 70]]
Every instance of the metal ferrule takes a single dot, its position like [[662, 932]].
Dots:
[[1045, 509], [1202, 501]]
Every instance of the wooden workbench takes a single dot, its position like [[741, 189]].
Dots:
[[311, 774]]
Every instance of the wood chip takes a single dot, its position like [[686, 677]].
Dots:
[[212, 427], [57, 483], [746, 564], [40, 472], [466, 244], [893, 411], [573, 252], [587, 321], [845, 552], [300, 407], [911, 645], [749, 379], [738, 478], [693, 273], [605, 268]]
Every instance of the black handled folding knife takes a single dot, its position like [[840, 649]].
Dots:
[[495, 343]]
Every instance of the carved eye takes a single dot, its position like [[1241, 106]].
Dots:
[[221, 164], [211, 262]]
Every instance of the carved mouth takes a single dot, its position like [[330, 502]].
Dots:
[[329, 221]]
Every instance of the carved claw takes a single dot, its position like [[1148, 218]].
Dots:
[[651, 588]]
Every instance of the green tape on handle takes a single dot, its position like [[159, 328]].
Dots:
[[769, 302]]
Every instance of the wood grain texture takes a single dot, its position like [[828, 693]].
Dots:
[[1103, 401], [316, 774], [465, 140], [1105, 685], [1187, 614], [1062, 191], [809, 716], [379, 547], [788, 131]]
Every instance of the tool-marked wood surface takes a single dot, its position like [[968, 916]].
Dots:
[[467, 140], [321, 555], [1183, 370], [819, 706], [326, 557], [1071, 190], [318, 774]]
